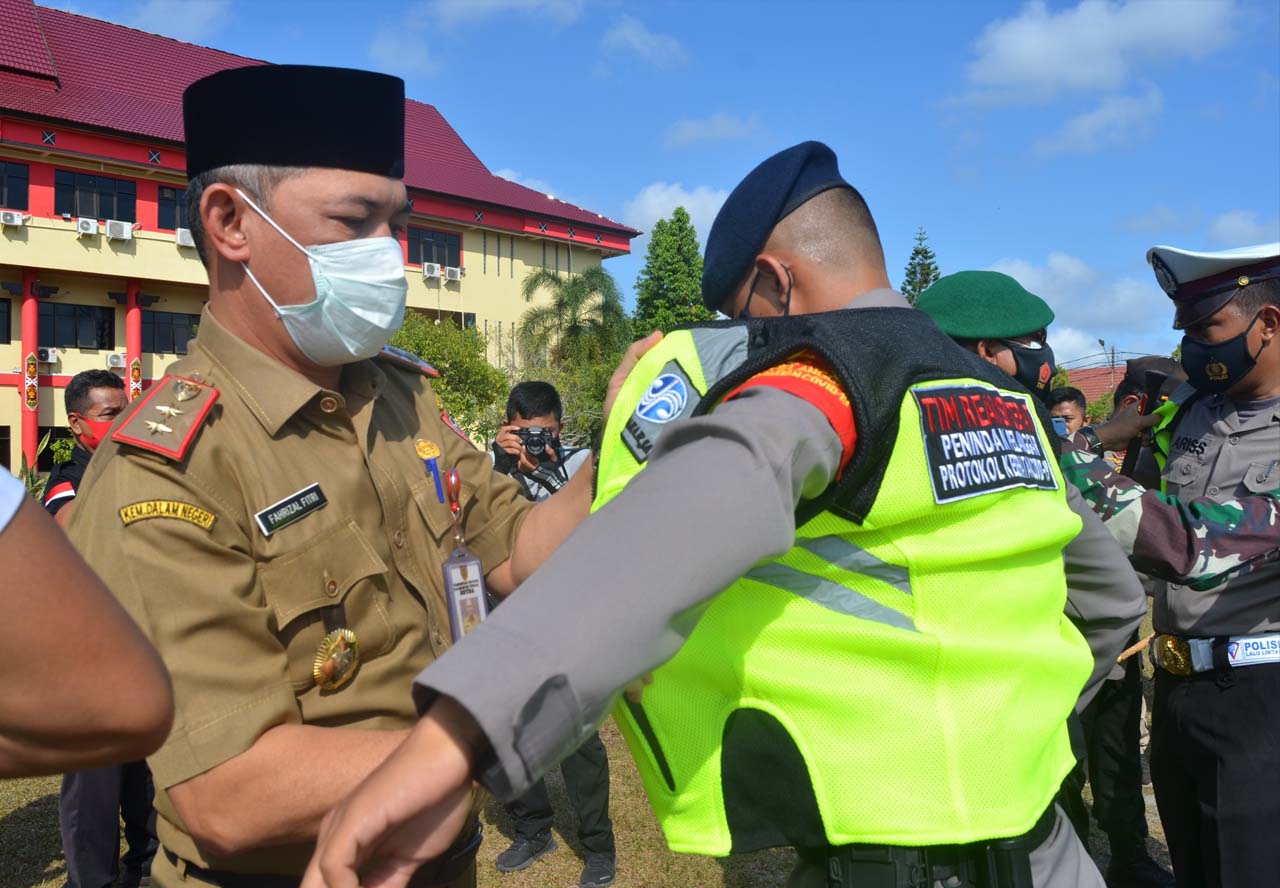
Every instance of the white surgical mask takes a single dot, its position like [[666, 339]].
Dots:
[[360, 293]]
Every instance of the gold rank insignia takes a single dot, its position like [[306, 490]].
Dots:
[[172, 433], [1216, 371], [336, 659]]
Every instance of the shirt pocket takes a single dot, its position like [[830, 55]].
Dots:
[[336, 567], [1184, 473], [1262, 477]]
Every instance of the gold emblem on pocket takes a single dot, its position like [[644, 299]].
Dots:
[[336, 659]]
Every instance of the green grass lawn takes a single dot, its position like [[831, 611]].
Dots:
[[31, 854]]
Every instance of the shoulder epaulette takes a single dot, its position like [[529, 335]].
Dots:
[[407, 359], [165, 419]]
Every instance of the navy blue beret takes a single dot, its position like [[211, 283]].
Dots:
[[296, 115], [764, 198]]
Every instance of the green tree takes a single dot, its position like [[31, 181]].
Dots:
[[1177, 352], [1100, 410], [584, 321], [669, 287], [469, 386], [1060, 379], [922, 268]]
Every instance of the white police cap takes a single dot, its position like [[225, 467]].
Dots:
[[1200, 283]]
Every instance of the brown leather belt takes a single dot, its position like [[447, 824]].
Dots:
[[444, 869]]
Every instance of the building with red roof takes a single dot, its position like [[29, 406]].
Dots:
[[1096, 382], [97, 266]]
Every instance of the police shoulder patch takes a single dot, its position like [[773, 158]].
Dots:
[[173, 509], [407, 359], [165, 419]]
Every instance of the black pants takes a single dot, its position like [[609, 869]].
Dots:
[[1110, 723], [90, 808], [1215, 765], [586, 778]]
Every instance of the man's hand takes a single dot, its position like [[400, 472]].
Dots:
[[1123, 427], [625, 366], [409, 811]]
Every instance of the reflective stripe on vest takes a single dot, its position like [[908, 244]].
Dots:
[[920, 660]]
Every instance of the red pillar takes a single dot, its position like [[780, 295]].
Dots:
[[30, 389], [133, 338]]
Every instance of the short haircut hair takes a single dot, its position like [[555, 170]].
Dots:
[[534, 398], [1252, 298], [257, 179], [835, 227], [76, 396], [1135, 376], [1067, 394]]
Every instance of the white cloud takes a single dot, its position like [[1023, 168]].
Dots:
[[1092, 46], [657, 201], [1131, 313], [716, 128], [1242, 228], [189, 20], [630, 35], [402, 50], [514, 176], [1116, 122], [451, 13]]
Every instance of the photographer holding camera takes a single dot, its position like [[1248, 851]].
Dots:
[[528, 449]]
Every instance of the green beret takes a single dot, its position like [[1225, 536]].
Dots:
[[984, 305]]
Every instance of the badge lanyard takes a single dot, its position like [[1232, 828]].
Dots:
[[463, 577]]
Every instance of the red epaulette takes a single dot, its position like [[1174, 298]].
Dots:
[[407, 359], [165, 420]]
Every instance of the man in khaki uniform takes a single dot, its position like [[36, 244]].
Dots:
[[264, 513]]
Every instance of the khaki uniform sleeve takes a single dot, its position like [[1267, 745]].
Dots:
[[175, 555], [493, 507]]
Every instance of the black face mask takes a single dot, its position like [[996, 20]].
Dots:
[[1034, 367], [1216, 367]]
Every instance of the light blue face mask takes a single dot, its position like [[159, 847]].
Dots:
[[360, 293]]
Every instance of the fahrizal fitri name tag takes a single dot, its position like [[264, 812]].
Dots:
[[1247, 650], [292, 508]]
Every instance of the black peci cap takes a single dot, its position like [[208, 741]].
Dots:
[[768, 194], [296, 115]]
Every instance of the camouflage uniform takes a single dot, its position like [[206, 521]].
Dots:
[[1197, 542]]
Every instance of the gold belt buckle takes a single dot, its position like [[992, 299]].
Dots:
[[1173, 654]]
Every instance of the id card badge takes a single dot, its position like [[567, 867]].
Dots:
[[464, 589]]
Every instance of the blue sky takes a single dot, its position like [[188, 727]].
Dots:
[[1055, 141]]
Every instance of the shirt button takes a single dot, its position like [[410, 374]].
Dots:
[[398, 539], [1185, 469], [1234, 439], [437, 638], [331, 588], [1213, 491], [328, 403]]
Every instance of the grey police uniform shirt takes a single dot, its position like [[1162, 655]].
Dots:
[[1216, 453], [717, 496]]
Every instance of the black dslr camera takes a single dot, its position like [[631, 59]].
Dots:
[[537, 440]]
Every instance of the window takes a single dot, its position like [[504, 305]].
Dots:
[[167, 332], [484, 251], [76, 326], [6, 442], [13, 185], [440, 247], [173, 208], [94, 197], [56, 433], [6, 318]]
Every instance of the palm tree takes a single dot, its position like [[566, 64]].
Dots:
[[585, 319]]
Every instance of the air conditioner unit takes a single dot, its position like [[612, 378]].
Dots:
[[452, 274], [12, 217], [115, 360], [182, 237], [117, 230], [430, 269], [47, 355], [86, 226]]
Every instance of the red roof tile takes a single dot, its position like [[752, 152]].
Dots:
[[1096, 381], [140, 94], [22, 46]]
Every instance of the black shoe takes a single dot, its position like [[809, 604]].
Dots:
[[599, 871], [524, 852], [1138, 871]]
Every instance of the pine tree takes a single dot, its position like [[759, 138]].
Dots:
[[922, 268], [669, 287]]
